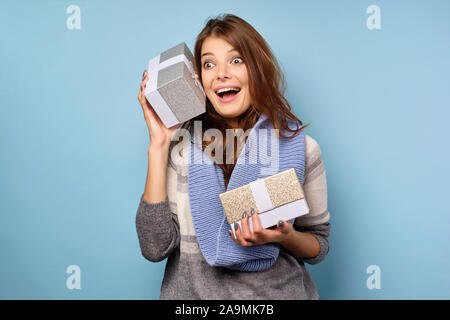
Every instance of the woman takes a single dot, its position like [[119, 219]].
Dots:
[[243, 84]]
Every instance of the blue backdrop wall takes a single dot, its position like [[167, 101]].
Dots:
[[73, 157]]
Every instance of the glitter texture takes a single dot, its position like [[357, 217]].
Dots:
[[236, 201], [283, 187]]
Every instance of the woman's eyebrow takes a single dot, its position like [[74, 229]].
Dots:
[[209, 53]]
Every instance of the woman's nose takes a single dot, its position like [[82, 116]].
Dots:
[[223, 72]]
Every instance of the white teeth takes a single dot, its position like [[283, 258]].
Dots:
[[227, 89]]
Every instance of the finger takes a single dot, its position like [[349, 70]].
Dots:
[[232, 236], [175, 127], [146, 107], [142, 88], [144, 81], [239, 238], [232, 232], [256, 222], [142, 97], [245, 228], [283, 226], [237, 230]]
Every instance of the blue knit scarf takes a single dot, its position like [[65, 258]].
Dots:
[[206, 182]]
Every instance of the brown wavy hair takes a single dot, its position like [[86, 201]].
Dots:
[[266, 82]]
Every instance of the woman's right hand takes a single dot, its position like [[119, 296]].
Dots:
[[160, 135]]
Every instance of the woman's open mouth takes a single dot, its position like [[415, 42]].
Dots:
[[227, 94]]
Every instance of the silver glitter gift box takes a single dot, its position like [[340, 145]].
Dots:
[[278, 197], [173, 88]]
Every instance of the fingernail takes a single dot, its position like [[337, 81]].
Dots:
[[244, 214], [281, 224], [252, 211], [235, 226]]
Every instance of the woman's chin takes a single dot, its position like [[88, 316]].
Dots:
[[231, 112]]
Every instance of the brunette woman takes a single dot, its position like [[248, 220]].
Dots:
[[179, 215]]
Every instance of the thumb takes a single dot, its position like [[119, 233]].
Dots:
[[173, 130], [283, 226]]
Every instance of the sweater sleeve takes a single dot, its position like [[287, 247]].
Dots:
[[157, 225], [316, 222]]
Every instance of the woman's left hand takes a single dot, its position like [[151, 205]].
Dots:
[[260, 235]]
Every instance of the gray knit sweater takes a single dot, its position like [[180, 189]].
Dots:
[[165, 230]]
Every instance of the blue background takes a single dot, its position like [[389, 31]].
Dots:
[[73, 157]]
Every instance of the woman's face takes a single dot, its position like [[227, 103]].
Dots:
[[223, 67]]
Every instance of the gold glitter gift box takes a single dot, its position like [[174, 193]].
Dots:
[[278, 197]]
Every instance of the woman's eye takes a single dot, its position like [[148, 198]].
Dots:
[[209, 64], [238, 59], [205, 65]]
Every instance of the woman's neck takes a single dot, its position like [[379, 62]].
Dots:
[[234, 123]]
